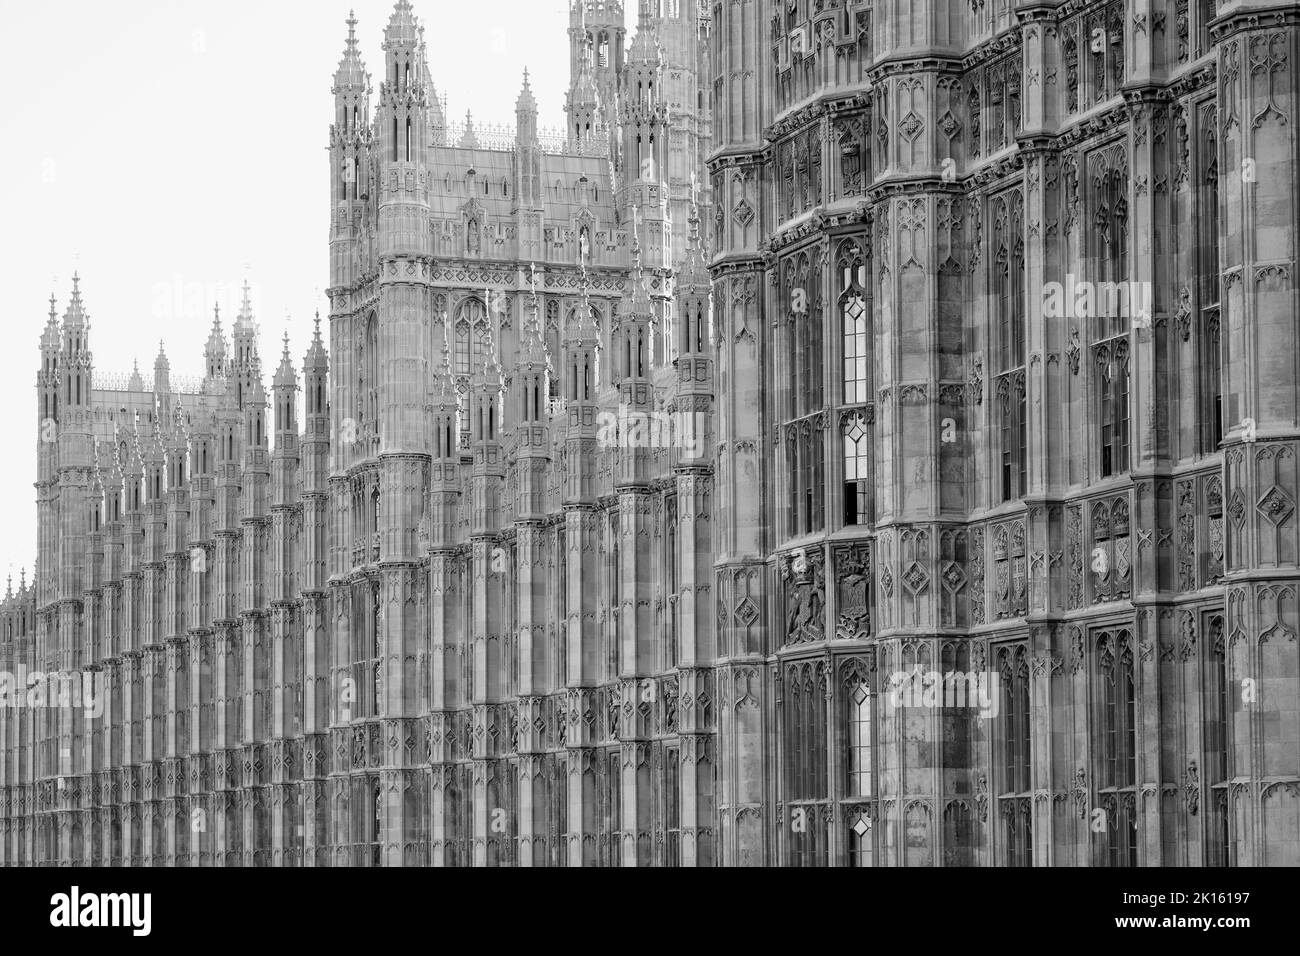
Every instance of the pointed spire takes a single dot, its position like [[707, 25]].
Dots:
[[244, 320], [490, 373], [50, 336], [76, 316], [526, 103], [645, 45], [285, 377], [351, 73], [402, 26], [136, 383], [532, 344], [639, 304], [695, 273], [445, 388], [214, 351], [470, 139], [161, 361], [437, 117], [585, 92], [584, 327], [317, 355]]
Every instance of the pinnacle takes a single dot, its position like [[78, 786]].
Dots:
[[402, 25], [526, 102], [351, 69], [470, 139]]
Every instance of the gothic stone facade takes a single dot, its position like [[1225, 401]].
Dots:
[[448, 620], [924, 464]]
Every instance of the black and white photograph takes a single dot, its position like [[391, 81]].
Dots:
[[832, 434]]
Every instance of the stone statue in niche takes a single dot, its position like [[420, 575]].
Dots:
[[851, 596], [805, 598], [850, 159], [472, 237]]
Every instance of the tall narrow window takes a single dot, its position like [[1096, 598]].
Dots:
[[671, 561], [857, 472], [672, 808], [1216, 767], [793, 474], [853, 312], [1113, 406], [1013, 769], [376, 823], [561, 607], [613, 818], [1008, 284], [1012, 434], [806, 783], [859, 749], [1207, 245], [1118, 750]]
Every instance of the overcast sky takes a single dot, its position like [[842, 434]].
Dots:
[[168, 150]]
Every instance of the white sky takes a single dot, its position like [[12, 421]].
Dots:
[[168, 150]]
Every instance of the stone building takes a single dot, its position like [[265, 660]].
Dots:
[[865, 436], [930, 460]]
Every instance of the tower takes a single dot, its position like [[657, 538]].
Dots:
[[597, 37]]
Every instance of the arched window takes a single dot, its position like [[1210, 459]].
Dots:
[[368, 384], [471, 336], [857, 472], [853, 314], [859, 741], [1013, 769], [1007, 281], [1111, 306], [1118, 726], [462, 348]]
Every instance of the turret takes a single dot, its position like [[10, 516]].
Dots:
[[486, 415], [403, 96], [162, 388], [596, 34], [633, 348], [76, 367], [583, 104], [246, 364], [350, 141], [692, 288], [528, 152], [47, 395], [316, 414], [214, 352], [284, 462], [643, 110], [531, 384], [442, 505]]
